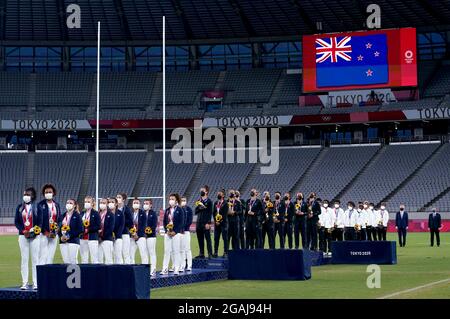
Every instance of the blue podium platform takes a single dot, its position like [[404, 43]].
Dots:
[[270, 264], [87, 281], [16, 293], [364, 252], [190, 277], [213, 263]]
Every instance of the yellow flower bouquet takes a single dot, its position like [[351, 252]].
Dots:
[[148, 231], [86, 223]]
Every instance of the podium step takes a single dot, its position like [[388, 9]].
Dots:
[[196, 275], [213, 263], [17, 293]]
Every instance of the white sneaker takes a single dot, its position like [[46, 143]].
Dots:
[[188, 269], [35, 287], [176, 273], [153, 273], [24, 287], [172, 269], [164, 272], [181, 270]]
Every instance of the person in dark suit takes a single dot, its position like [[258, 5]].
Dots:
[[434, 225], [301, 210], [401, 224]]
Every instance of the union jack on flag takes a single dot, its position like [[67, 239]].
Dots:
[[333, 49]]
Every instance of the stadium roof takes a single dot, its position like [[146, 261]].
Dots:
[[188, 20]]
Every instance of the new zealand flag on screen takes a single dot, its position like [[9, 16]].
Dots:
[[352, 60]]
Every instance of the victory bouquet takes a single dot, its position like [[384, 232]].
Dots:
[[218, 218], [148, 231], [34, 232], [169, 227], [133, 233], [65, 233], [53, 230], [86, 223]]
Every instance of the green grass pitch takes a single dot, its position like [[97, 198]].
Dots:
[[419, 268]]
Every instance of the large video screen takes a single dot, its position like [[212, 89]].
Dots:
[[359, 60]]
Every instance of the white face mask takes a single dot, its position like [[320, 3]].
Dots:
[[136, 206], [119, 200], [172, 202], [325, 205], [26, 199], [111, 205], [371, 207], [336, 205], [103, 206], [146, 207], [87, 205], [183, 203], [48, 196], [350, 207], [365, 206], [383, 207], [69, 207]]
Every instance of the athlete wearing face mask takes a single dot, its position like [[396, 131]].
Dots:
[[50, 211], [204, 210], [220, 216], [253, 223], [288, 210], [267, 224], [301, 211], [338, 231], [151, 231], [278, 220], [70, 239], [119, 225], [138, 240], [126, 211], [174, 225], [105, 234], [26, 218], [350, 220], [383, 220], [186, 253], [89, 239], [314, 211], [233, 216]]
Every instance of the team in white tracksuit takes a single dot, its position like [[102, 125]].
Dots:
[[339, 225], [328, 221], [382, 221]]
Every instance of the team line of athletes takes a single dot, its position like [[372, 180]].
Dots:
[[115, 232]]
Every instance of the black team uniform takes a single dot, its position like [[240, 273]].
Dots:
[[301, 211], [267, 225], [221, 228], [288, 211], [253, 223], [204, 215]]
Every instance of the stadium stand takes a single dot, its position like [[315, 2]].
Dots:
[[363, 172], [440, 84], [389, 169], [334, 169], [13, 170]]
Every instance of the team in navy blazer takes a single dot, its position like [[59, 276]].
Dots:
[[89, 238]]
